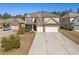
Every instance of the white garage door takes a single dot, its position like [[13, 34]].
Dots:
[[76, 27], [39, 29], [51, 29]]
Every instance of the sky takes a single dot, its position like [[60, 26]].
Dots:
[[21, 8]]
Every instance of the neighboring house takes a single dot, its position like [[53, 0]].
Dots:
[[3, 23], [42, 22], [70, 20], [15, 23]]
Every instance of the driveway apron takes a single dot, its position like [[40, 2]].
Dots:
[[52, 43]]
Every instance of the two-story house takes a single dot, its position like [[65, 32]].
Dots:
[[42, 22]]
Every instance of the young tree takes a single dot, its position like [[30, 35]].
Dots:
[[0, 15], [24, 16], [19, 16], [5, 16], [78, 10], [70, 10]]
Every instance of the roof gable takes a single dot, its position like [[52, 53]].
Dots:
[[16, 19], [45, 15]]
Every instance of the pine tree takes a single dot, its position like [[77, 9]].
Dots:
[[78, 10]]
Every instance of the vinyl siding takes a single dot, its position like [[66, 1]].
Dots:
[[49, 20], [65, 22]]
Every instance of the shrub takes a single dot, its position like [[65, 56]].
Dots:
[[70, 27], [61, 27], [6, 44], [21, 30], [12, 42], [15, 40], [1, 27]]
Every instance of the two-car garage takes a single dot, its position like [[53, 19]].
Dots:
[[51, 29], [50, 25], [48, 29]]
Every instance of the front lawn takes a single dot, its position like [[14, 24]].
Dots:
[[25, 44], [72, 35]]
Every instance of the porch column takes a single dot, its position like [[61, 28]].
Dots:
[[32, 27]]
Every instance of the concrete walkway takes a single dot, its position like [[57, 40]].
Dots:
[[53, 44]]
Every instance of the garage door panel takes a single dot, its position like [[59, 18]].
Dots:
[[76, 27], [39, 29], [51, 29], [48, 29]]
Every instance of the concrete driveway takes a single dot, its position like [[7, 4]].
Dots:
[[53, 44]]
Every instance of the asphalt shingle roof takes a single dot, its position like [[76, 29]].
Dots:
[[45, 15], [70, 15]]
